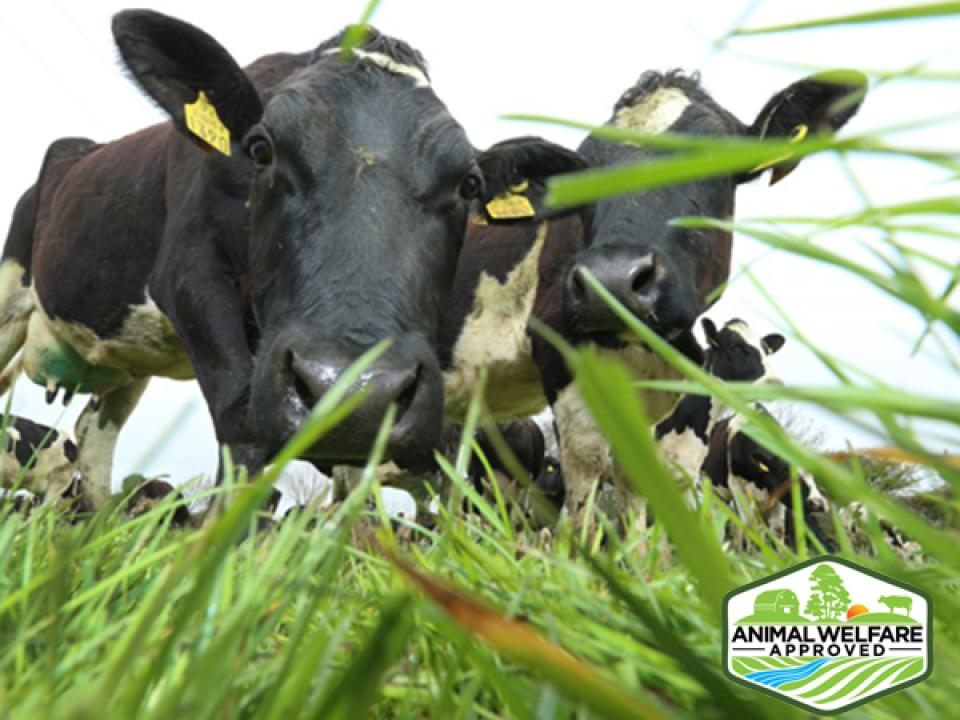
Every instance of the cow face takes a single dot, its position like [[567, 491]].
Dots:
[[359, 183], [667, 276], [735, 354]]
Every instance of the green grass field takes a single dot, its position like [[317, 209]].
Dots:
[[477, 618]]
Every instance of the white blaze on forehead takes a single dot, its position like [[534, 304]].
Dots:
[[654, 113], [769, 376], [388, 64], [744, 331]]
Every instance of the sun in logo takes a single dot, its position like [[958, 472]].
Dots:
[[855, 610]]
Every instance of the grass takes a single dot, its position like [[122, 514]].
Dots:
[[478, 618]]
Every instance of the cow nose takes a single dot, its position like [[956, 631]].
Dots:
[[634, 282], [385, 383], [299, 370]]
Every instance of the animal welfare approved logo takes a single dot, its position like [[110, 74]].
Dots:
[[827, 635]]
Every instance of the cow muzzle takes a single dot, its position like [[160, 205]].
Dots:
[[406, 376], [636, 282]]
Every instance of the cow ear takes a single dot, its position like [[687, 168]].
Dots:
[[710, 331], [521, 166], [772, 343], [821, 103], [187, 72]]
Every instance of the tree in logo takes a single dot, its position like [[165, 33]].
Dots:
[[833, 595], [815, 606]]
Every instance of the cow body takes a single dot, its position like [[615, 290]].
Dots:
[[37, 458], [734, 354], [509, 278], [256, 267], [758, 483]]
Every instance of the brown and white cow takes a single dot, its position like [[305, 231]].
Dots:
[[289, 217], [666, 275]]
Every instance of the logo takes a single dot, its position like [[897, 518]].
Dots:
[[827, 635]]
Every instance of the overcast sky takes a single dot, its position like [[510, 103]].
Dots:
[[569, 60]]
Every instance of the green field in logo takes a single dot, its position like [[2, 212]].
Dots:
[[827, 635]]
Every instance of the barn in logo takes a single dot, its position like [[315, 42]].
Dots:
[[827, 635]]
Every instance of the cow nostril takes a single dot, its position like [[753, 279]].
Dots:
[[643, 278], [578, 286], [300, 386], [405, 399]]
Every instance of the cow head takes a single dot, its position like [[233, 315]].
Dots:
[[357, 184], [667, 276], [735, 354]]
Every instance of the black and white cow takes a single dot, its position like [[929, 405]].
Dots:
[[290, 216], [758, 482], [664, 274], [36, 458], [734, 354]]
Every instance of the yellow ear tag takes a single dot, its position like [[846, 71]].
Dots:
[[203, 121], [797, 135], [763, 467], [511, 205]]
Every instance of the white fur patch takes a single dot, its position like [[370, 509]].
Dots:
[[389, 64], [655, 113], [544, 421], [16, 305], [494, 338], [584, 452], [146, 345], [684, 451]]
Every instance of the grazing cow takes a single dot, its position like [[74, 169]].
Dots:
[[532, 442], [37, 458], [733, 354], [894, 602], [756, 479], [289, 217], [535, 268]]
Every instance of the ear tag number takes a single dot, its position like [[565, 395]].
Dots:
[[203, 121], [511, 205]]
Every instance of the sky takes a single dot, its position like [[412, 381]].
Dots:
[[568, 60]]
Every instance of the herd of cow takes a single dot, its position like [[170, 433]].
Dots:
[[296, 212]]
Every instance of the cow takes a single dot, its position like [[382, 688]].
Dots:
[[144, 494], [733, 354], [289, 217], [758, 482], [535, 268], [36, 458]]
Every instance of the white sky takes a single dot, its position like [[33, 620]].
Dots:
[[565, 59]]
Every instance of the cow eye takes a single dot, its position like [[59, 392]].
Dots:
[[260, 151], [472, 185]]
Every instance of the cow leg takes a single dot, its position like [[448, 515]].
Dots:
[[96, 431], [204, 305], [584, 454]]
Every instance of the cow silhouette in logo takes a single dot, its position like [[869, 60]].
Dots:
[[897, 601]]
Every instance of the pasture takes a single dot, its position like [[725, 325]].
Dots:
[[339, 613]]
